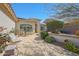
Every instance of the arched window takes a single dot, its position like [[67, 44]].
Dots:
[[26, 27]]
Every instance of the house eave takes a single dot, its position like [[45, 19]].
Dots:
[[6, 8]]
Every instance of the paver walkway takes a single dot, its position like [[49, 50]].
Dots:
[[33, 45]]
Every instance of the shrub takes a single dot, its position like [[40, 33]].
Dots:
[[3, 39], [49, 39], [54, 26], [2, 47], [71, 47], [44, 34], [2, 44]]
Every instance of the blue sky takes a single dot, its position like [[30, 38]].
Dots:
[[32, 10]]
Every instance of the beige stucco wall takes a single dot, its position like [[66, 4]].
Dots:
[[27, 22], [38, 27], [6, 22]]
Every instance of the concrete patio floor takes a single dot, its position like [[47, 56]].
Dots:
[[33, 45]]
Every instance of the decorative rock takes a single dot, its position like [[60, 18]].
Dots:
[[9, 52], [10, 47]]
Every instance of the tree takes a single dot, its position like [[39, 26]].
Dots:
[[54, 25], [66, 10], [43, 27]]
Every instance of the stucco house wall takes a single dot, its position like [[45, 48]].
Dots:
[[71, 27], [7, 17], [6, 22], [31, 22]]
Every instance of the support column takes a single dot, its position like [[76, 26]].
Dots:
[[38, 27]]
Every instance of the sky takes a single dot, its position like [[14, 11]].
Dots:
[[40, 11], [32, 10]]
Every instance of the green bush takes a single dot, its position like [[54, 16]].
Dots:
[[71, 47], [49, 39], [2, 47], [44, 34]]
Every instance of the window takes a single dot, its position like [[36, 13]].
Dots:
[[26, 27]]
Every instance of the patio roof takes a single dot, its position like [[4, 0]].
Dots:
[[29, 19], [6, 8]]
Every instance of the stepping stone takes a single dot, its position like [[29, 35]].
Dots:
[[9, 50], [9, 53]]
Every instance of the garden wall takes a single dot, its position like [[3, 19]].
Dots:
[[62, 37]]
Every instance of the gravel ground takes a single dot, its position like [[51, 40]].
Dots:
[[33, 45]]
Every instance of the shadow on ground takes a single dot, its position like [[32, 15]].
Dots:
[[54, 43]]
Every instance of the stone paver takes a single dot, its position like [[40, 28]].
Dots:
[[33, 45]]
